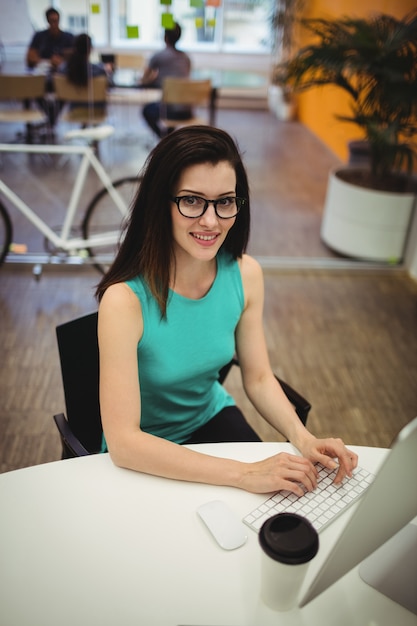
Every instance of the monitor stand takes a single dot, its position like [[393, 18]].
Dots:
[[392, 568]]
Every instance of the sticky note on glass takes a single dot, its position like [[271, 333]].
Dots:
[[213, 3], [165, 1], [132, 32], [197, 4], [167, 21], [199, 22], [95, 8]]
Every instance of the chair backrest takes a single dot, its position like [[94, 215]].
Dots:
[[20, 87], [79, 357], [186, 91], [130, 61], [95, 91]]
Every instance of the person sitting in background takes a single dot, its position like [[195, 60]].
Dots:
[[52, 44], [79, 70], [167, 62]]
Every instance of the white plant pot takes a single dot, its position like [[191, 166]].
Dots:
[[366, 224], [283, 109]]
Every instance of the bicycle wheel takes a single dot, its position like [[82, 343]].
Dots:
[[5, 232], [103, 216]]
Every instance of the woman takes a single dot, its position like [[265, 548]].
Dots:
[[79, 70], [179, 300]]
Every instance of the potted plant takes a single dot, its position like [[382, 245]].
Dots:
[[374, 60]]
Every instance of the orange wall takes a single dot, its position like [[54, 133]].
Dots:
[[317, 106]]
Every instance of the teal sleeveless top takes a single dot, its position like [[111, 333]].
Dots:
[[180, 356]]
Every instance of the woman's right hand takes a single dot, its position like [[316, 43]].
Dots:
[[280, 472]]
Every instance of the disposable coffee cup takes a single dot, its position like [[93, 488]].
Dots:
[[289, 542]]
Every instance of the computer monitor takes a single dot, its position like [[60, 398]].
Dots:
[[381, 523]]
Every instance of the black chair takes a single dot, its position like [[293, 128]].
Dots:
[[81, 429]]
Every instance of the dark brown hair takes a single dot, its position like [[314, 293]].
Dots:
[[77, 66], [147, 245], [172, 35], [51, 11]]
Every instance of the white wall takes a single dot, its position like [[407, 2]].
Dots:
[[15, 26]]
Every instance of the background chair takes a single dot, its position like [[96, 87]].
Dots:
[[129, 69], [21, 92], [92, 100], [125, 69], [188, 92], [80, 430], [135, 62]]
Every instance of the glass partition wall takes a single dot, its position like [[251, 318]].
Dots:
[[225, 39]]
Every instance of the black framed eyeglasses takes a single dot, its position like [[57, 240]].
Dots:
[[195, 206]]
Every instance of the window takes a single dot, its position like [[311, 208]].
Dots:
[[246, 25], [236, 25], [77, 23], [233, 26]]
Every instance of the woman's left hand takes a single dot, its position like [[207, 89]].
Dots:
[[331, 453]]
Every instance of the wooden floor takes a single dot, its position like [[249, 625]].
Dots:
[[345, 338]]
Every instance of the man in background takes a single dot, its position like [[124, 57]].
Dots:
[[52, 44], [167, 62]]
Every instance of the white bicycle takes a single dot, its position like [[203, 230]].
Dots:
[[102, 222]]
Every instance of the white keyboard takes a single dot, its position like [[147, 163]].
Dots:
[[320, 506]]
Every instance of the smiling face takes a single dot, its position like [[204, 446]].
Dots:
[[202, 237]]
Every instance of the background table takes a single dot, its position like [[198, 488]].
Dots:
[[85, 542]]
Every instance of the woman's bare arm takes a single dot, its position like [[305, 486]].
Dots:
[[264, 390]]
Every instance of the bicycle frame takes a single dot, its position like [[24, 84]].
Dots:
[[63, 239]]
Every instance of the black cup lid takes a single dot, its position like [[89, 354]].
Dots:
[[289, 538]]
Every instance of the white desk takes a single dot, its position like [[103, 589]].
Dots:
[[126, 95], [83, 542]]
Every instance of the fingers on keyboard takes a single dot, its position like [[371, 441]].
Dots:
[[320, 506]]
